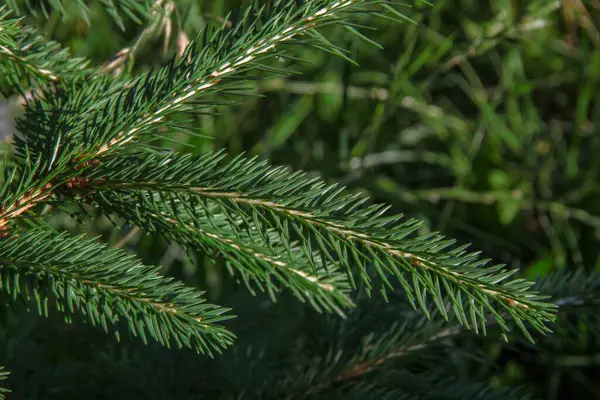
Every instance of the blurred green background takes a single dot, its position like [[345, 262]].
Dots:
[[481, 118]]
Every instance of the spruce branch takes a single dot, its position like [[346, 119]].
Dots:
[[269, 223], [356, 369], [573, 288], [109, 287], [361, 346], [66, 140], [27, 58], [210, 64], [361, 357], [571, 291], [342, 229], [260, 255], [74, 124]]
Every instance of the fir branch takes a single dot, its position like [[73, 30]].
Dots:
[[353, 348], [223, 58], [338, 359], [570, 291], [76, 123], [343, 229], [27, 58], [571, 288], [356, 369], [259, 255], [257, 207], [108, 286]]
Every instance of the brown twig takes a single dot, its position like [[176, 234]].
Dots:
[[357, 370], [23, 204]]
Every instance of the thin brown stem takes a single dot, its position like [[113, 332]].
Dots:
[[358, 370], [23, 204]]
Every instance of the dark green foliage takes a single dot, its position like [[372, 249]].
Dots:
[[27, 59], [459, 120], [277, 200], [111, 288], [388, 349]]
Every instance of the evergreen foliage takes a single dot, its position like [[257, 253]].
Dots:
[[109, 287], [90, 143], [136, 10], [29, 59]]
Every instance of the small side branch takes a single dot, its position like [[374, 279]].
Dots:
[[357, 371]]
